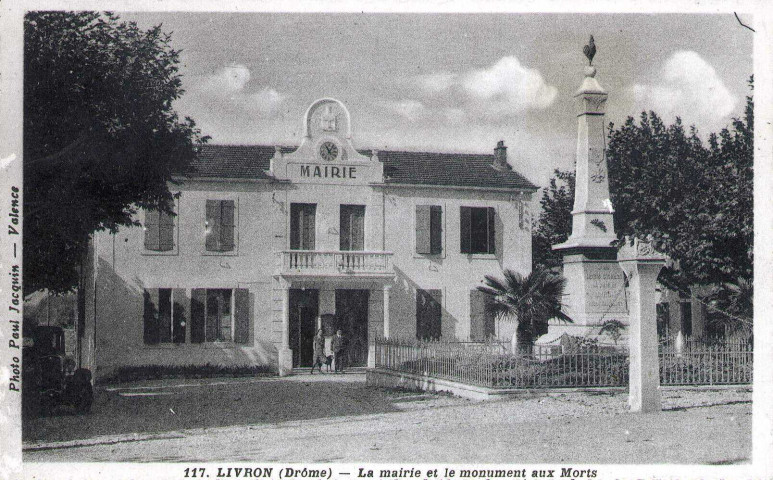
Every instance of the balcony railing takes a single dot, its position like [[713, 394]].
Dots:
[[335, 263]]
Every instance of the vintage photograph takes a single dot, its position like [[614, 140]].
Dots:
[[391, 238]]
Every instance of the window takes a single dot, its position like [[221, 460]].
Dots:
[[159, 231], [220, 315], [429, 229], [477, 230], [482, 321], [218, 318], [428, 314], [164, 316], [302, 226], [352, 222], [220, 226], [214, 314]]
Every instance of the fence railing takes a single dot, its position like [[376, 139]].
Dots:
[[695, 363], [493, 365], [556, 366]]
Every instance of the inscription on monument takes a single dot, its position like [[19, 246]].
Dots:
[[605, 289]]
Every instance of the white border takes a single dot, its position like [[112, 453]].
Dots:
[[11, 48]]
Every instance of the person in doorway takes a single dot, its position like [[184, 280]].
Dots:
[[319, 351], [339, 350]]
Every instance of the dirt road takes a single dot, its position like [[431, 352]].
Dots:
[[341, 420]]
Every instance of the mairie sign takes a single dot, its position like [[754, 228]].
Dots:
[[327, 171], [338, 173]]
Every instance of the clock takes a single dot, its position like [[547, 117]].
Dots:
[[328, 151]]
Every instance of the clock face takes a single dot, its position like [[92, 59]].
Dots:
[[328, 151]]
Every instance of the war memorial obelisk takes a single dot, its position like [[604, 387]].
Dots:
[[595, 282]]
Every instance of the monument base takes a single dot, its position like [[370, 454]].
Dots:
[[595, 293], [595, 287]]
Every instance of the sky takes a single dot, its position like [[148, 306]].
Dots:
[[454, 82]]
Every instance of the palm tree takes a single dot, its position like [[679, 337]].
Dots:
[[531, 301]]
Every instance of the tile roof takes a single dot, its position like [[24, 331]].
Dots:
[[412, 168], [233, 161], [452, 169]]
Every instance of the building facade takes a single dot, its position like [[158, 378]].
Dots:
[[265, 239]]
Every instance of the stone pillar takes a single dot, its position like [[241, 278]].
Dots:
[[387, 289], [285, 360], [642, 264], [372, 344]]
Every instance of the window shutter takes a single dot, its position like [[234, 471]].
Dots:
[[150, 316], [428, 314], [164, 315], [213, 310], [435, 314], [309, 227], [477, 315], [242, 316], [165, 232], [345, 229], [423, 229], [227, 226], [296, 225], [151, 230], [436, 229], [491, 230], [198, 299], [358, 228], [489, 320], [180, 312], [213, 225], [464, 231]]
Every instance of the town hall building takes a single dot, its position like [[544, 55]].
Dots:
[[266, 239]]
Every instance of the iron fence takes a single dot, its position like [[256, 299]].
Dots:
[[493, 364], [696, 363]]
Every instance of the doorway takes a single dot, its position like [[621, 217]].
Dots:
[[304, 308], [352, 316]]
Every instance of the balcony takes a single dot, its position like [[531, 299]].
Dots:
[[334, 263]]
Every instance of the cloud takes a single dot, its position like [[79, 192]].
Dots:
[[409, 109], [690, 88], [437, 82], [267, 100], [521, 87], [506, 88]]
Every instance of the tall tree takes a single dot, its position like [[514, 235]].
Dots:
[[101, 138], [555, 220]]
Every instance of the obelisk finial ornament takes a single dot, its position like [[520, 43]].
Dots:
[[590, 50]]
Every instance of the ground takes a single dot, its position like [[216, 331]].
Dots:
[[336, 418]]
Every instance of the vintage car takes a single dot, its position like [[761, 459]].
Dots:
[[49, 377]]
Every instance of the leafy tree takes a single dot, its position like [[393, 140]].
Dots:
[[555, 220], [531, 301], [100, 136]]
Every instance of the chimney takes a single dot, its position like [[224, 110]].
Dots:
[[500, 157]]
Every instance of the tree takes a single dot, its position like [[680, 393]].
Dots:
[[555, 220], [101, 138], [614, 328], [531, 301]]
